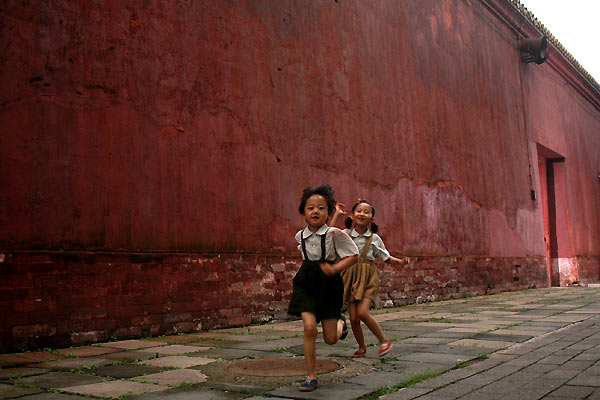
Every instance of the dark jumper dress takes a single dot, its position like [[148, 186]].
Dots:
[[315, 292]]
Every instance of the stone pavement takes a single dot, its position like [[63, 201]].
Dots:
[[532, 344]]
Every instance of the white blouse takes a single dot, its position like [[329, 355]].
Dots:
[[338, 245], [377, 248]]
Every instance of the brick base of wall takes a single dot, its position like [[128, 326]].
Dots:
[[578, 270], [55, 299]]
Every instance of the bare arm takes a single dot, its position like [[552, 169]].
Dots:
[[339, 210], [394, 260], [339, 267]]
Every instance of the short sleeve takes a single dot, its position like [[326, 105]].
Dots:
[[379, 248], [344, 245], [298, 238]]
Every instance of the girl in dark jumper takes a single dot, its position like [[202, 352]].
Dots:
[[318, 287]]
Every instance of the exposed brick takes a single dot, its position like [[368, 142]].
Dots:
[[75, 302]]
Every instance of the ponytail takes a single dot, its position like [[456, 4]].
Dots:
[[374, 227], [348, 223]]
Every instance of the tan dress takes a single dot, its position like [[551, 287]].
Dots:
[[361, 281]]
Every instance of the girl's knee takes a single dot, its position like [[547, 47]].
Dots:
[[330, 338], [363, 314], [310, 330]]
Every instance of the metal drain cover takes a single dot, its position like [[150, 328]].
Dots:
[[280, 367]]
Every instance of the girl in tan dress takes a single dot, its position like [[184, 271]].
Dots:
[[361, 281]]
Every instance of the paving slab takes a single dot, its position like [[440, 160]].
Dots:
[[178, 361], [436, 358], [174, 377], [232, 354], [265, 398], [572, 392], [516, 332], [487, 344], [214, 343], [133, 344], [377, 380], [88, 351], [114, 388], [174, 350], [585, 380], [18, 372], [234, 388], [456, 390], [130, 355], [268, 345], [54, 380], [493, 336], [266, 335], [542, 328], [465, 351], [76, 363], [343, 391], [415, 367], [190, 337], [121, 371], [28, 358], [53, 396], [187, 394], [408, 393], [429, 340], [12, 391]]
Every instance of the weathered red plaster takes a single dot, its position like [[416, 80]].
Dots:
[[187, 131]]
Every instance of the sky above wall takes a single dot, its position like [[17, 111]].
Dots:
[[575, 24]]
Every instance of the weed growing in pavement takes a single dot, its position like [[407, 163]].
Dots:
[[184, 385], [413, 380], [274, 338]]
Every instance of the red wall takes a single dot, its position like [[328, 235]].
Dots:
[[161, 127]]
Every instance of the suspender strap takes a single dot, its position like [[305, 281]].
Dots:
[[303, 245], [365, 249], [323, 246], [323, 255]]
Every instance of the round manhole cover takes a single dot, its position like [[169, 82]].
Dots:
[[279, 367]]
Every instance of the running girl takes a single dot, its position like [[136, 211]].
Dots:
[[361, 281], [318, 288]]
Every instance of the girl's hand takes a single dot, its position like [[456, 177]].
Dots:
[[401, 260], [327, 269], [339, 210]]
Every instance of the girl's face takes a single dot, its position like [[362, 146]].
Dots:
[[315, 212], [362, 215]]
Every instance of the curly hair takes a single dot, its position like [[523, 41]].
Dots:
[[323, 190], [348, 222]]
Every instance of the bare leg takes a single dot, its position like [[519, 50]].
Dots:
[[355, 323], [332, 330], [310, 348], [364, 316]]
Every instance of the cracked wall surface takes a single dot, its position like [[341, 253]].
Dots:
[[192, 127]]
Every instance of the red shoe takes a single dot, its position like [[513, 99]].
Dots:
[[360, 352], [385, 348]]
